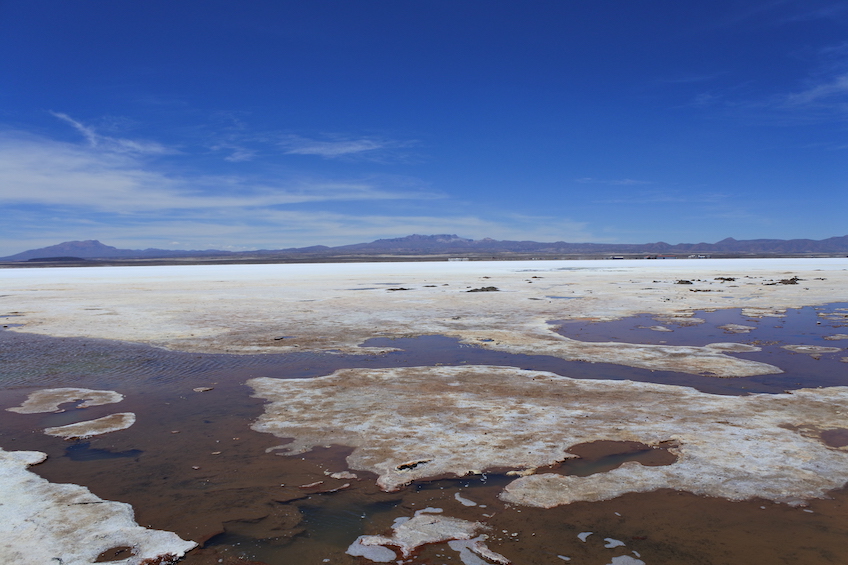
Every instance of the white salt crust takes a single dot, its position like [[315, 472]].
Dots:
[[338, 306], [43, 522], [49, 399], [90, 428], [413, 423]]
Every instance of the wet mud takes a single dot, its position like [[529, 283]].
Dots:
[[192, 465]]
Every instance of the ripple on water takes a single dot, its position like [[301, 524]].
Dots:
[[152, 468]]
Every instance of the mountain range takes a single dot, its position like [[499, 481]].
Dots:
[[446, 244]]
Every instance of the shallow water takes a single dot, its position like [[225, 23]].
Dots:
[[798, 326], [192, 465]]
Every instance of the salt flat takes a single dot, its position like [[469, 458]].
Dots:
[[474, 417], [319, 307]]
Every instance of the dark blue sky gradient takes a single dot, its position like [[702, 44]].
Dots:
[[275, 124]]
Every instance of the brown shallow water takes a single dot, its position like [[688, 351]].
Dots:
[[191, 464]]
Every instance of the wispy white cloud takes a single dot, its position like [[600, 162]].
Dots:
[[35, 170], [301, 146], [612, 182], [240, 144], [339, 147], [54, 191], [110, 189], [654, 197], [828, 90], [237, 153], [243, 229], [113, 144], [821, 95]]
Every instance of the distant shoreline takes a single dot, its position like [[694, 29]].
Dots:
[[387, 257]]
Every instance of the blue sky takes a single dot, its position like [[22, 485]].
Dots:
[[271, 124]]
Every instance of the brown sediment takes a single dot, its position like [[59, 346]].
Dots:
[[678, 528], [602, 456], [115, 554], [837, 437], [168, 495], [644, 454], [238, 489]]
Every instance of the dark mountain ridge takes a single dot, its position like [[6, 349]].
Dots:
[[450, 243]]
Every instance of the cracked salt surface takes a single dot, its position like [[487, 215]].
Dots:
[[463, 420]]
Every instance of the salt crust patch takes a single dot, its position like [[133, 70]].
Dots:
[[49, 400], [43, 522], [626, 560], [421, 529], [376, 553], [811, 349], [469, 550], [738, 328], [681, 358], [341, 475], [836, 337], [461, 420], [611, 543], [694, 360], [89, 428]]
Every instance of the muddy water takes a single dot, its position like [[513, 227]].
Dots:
[[192, 465]]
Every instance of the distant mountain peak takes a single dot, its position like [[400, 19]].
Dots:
[[417, 244]]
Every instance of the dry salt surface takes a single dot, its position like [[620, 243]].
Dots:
[[44, 523], [417, 423], [243, 308]]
